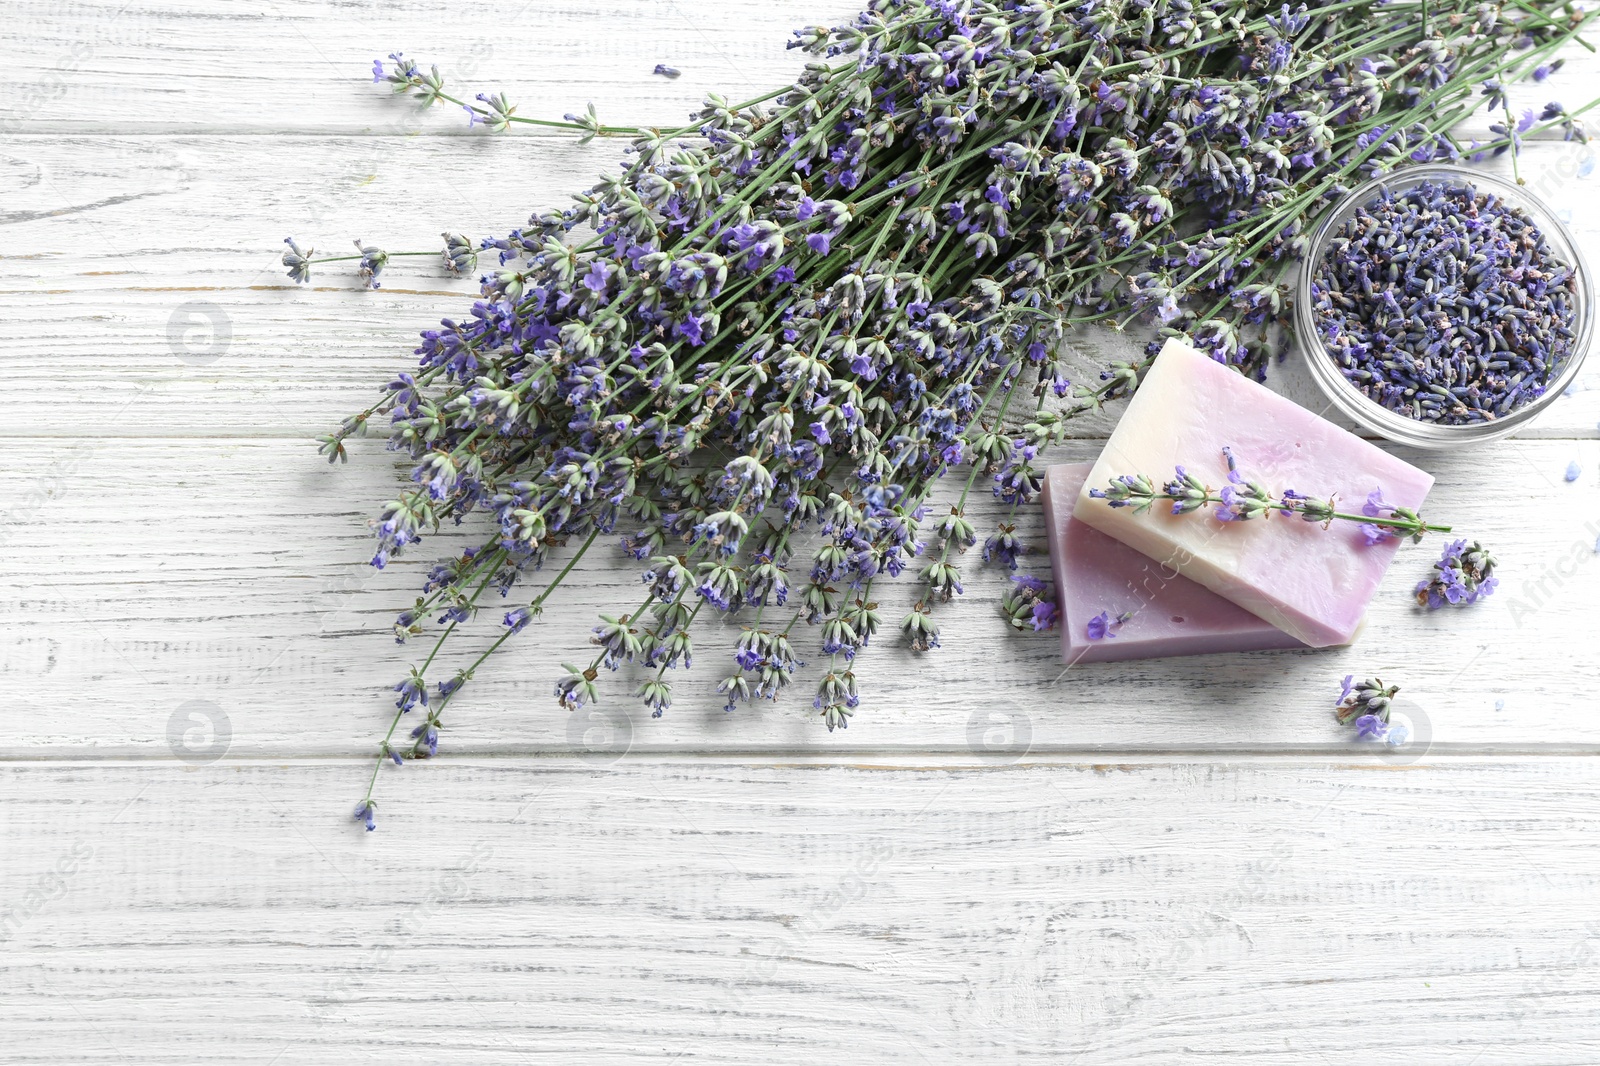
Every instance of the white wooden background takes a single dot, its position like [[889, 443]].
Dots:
[[1168, 862]]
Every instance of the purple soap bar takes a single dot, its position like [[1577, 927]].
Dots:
[[1171, 615], [1312, 583]]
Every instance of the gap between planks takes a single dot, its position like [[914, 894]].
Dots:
[[1352, 756]]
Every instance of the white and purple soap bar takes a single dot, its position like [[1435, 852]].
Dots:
[[1167, 614], [1312, 583]]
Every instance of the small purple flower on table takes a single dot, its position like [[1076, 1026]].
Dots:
[[298, 262], [1367, 706], [1463, 575], [1031, 604]]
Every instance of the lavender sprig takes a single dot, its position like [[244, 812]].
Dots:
[[1242, 500], [460, 259]]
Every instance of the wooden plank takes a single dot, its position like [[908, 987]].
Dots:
[[104, 66], [1280, 911], [224, 66], [149, 266], [145, 575]]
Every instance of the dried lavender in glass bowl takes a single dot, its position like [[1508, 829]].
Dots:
[[1440, 305]]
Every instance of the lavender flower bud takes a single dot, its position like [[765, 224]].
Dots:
[[460, 258], [373, 260], [298, 262]]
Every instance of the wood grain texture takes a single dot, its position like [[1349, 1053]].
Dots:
[[1277, 912], [147, 574], [222, 66], [1166, 862]]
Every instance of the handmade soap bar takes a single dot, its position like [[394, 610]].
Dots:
[[1170, 615], [1310, 582]]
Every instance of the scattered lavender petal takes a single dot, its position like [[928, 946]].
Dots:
[[1101, 626]]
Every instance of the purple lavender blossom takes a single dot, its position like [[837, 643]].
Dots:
[[1371, 727], [1463, 575], [412, 692], [1367, 705], [1101, 626]]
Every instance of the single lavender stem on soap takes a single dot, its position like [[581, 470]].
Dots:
[[1242, 500]]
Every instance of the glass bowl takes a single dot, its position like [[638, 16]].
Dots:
[[1372, 415]]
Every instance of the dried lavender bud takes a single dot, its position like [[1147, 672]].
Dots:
[[460, 258], [1445, 304], [666, 71], [373, 260], [298, 262], [407, 76], [1462, 575], [1368, 705], [493, 112], [1030, 604], [837, 699], [921, 631]]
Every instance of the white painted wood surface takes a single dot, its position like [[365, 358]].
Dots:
[[1166, 862]]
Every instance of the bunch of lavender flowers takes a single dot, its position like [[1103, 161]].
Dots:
[[851, 285], [1462, 575]]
